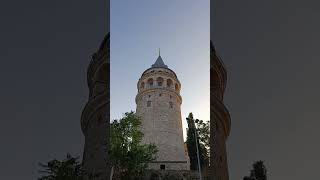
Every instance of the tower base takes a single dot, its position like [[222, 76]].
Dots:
[[171, 174], [169, 165]]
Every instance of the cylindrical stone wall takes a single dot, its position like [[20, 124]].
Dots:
[[220, 121], [95, 117], [159, 106]]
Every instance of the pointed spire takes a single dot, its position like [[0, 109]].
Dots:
[[159, 62]]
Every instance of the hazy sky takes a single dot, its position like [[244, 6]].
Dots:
[[181, 30], [271, 51]]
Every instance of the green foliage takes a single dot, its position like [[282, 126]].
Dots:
[[204, 133], [67, 169], [128, 156], [203, 142]]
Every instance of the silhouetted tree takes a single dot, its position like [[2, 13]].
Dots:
[[191, 144], [67, 169], [259, 172]]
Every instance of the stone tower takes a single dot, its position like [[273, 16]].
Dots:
[[95, 116], [159, 106], [220, 119]]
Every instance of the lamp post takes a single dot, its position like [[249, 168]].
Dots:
[[198, 154]]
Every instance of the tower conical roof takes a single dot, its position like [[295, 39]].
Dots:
[[159, 63]]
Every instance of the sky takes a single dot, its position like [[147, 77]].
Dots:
[[180, 30], [271, 52], [45, 49]]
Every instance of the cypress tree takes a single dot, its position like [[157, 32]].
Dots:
[[191, 145]]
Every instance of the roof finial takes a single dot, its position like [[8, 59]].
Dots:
[[159, 62]]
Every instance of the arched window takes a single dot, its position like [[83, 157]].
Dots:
[[170, 104], [142, 85], [160, 81], [148, 103], [176, 87], [150, 82], [169, 83]]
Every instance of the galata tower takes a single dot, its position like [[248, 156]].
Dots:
[[95, 117], [220, 123], [159, 106]]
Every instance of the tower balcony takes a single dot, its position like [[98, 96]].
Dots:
[[150, 89]]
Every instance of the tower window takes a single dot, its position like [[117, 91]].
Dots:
[[149, 96], [149, 104], [176, 87], [162, 167], [160, 94], [150, 82], [171, 104], [159, 81], [169, 83], [142, 85]]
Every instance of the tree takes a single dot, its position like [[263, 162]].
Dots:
[[203, 129], [203, 140], [67, 169], [259, 172], [128, 156]]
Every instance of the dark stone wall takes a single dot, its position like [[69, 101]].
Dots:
[[95, 119], [219, 119]]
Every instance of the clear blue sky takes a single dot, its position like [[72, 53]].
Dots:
[[181, 30]]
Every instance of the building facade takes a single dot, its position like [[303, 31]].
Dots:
[[220, 122], [159, 106], [96, 116]]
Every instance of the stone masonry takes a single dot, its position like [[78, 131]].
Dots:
[[159, 106], [95, 116], [220, 120]]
